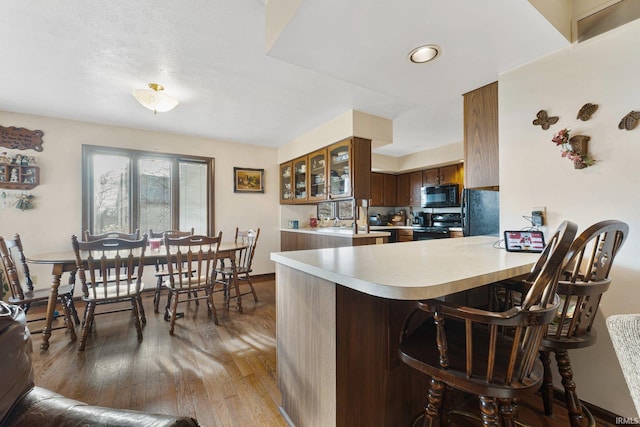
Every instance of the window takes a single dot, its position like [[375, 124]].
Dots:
[[124, 190]]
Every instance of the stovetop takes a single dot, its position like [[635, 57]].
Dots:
[[430, 229]]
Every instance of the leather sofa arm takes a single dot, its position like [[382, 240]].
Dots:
[[45, 408]]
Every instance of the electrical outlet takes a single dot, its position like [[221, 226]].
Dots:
[[538, 216]]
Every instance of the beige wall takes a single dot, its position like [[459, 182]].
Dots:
[[57, 213], [604, 71]]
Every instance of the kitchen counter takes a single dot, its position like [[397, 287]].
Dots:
[[339, 316], [295, 239]]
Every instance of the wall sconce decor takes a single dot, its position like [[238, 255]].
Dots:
[[574, 148], [154, 99], [544, 120]]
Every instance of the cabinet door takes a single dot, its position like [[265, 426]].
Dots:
[[300, 180], [286, 183], [317, 176], [450, 174], [431, 177], [377, 189], [402, 190], [481, 137], [415, 184], [340, 170], [389, 193]]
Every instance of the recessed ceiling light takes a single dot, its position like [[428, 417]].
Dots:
[[424, 53]]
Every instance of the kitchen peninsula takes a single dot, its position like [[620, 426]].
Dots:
[[328, 237], [339, 315]]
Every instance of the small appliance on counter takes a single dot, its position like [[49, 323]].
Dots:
[[377, 219]]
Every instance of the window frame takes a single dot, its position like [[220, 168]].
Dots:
[[134, 155]]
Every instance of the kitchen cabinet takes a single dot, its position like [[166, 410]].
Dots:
[[286, 183], [481, 137], [415, 187], [402, 190], [317, 175], [300, 180], [383, 189], [444, 175], [350, 169], [405, 235]]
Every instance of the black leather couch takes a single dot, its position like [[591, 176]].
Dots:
[[22, 404]]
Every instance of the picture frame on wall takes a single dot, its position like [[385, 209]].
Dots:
[[326, 210], [345, 209], [247, 180]]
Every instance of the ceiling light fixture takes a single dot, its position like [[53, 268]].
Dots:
[[424, 53], [154, 99]]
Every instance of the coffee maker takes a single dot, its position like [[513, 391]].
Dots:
[[422, 219]]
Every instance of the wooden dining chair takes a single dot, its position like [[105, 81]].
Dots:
[[188, 254], [490, 354], [12, 254], [584, 280], [244, 259], [94, 260], [88, 237], [161, 266]]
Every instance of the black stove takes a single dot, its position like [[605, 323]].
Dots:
[[439, 227]]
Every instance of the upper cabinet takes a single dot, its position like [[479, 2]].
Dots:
[[481, 137], [286, 183], [317, 175], [383, 189], [444, 175], [339, 171], [415, 187], [403, 190], [300, 180]]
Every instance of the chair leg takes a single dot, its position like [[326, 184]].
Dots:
[[211, 306], [136, 317], [174, 314], [67, 318], [547, 383], [434, 403], [72, 310], [253, 290], [489, 411], [574, 406], [507, 412], [143, 317], [156, 295], [88, 321], [167, 316]]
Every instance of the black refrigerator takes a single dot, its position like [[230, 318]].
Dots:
[[480, 212]]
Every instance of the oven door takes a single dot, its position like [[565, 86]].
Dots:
[[426, 234]]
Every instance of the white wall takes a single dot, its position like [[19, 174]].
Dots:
[[57, 213], [604, 71]]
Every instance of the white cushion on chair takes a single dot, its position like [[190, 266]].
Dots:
[[624, 330]]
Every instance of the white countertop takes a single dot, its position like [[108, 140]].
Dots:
[[412, 270], [338, 232]]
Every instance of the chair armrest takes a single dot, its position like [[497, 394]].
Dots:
[[45, 408]]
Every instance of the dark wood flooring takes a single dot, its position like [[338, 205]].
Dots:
[[222, 375]]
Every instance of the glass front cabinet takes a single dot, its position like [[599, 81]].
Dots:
[[286, 180], [340, 170], [300, 180], [317, 175]]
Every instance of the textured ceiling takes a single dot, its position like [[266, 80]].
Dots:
[[81, 60]]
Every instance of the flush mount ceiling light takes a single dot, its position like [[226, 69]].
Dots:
[[154, 99], [424, 53]]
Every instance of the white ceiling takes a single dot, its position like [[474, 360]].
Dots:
[[81, 59]]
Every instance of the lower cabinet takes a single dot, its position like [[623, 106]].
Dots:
[[296, 241], [405, 235]]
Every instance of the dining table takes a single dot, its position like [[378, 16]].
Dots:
[[65, 262]]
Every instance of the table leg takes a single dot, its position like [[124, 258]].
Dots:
[[51, 307]]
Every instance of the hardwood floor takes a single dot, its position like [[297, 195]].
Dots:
[[222, 375]]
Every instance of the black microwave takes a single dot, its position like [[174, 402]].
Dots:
[[439, 196]]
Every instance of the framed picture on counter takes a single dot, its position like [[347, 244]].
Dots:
[[247, 180]]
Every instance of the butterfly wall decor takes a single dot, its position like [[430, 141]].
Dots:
[[629, 121], [544, 120], [587, 111]]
